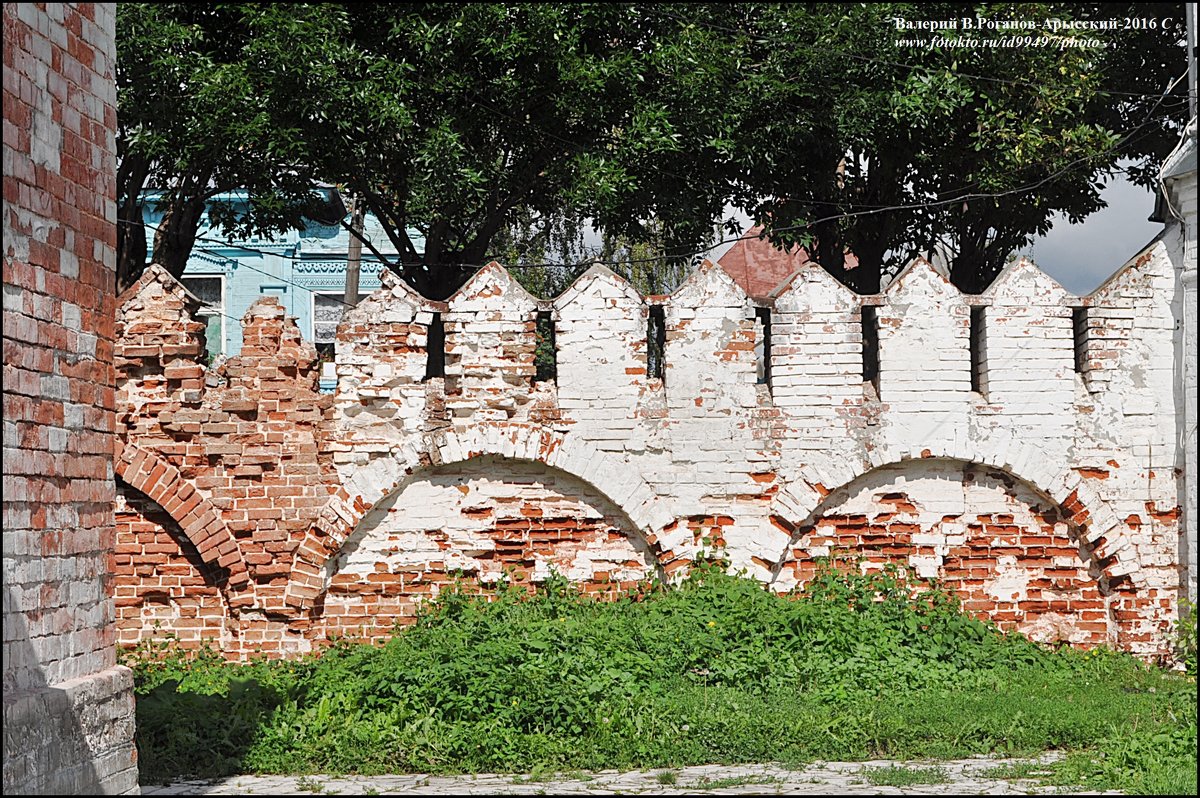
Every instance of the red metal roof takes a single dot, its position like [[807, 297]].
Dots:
[[759, 268]]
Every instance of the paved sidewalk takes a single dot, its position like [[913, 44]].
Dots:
[[956, 777]]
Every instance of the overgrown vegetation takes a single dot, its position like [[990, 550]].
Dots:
[[719, 670]]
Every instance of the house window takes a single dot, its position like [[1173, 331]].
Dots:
[[210, 290], [328, 309]]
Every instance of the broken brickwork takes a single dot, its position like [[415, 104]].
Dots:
[[266, 517]]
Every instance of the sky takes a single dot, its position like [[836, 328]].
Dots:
[[1082, 256]]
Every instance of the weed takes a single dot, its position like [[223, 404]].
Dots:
[[899, 776], [707, 783], [666, 777], [1016, 770], [1184, 639], [306, 784]]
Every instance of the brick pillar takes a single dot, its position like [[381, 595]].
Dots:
[[68, 707]]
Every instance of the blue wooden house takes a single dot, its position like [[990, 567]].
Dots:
[[305, 269]]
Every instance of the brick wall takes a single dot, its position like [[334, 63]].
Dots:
[[1043, 499], [68, 709]]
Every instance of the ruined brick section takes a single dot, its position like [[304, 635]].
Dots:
[[231, 452], [68, 707], [1005, 551], [1045, 504]]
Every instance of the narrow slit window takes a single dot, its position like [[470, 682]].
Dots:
[[545, 354], [870, 345], [1079, 326], [435, 364], [656, 342], [764, 360], [978, 346]]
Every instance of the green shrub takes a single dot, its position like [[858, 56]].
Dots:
[[719, 670]]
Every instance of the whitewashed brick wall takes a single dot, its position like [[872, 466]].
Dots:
[[987, 489]]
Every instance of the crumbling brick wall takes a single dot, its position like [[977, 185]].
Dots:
[[162, 581], [477, 521], [1040, 496], [1006, 551], [68, 707]]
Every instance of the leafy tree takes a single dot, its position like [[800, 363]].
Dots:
[[457, 119], [546, 258], [190, 127], [854, 141], [496, 129]]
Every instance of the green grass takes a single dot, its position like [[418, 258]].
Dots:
[[898, 776], [716, 671], [1012, 771], [732, 781]]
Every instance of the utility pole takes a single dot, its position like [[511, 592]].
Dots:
[[1191, 54], [354, 250]]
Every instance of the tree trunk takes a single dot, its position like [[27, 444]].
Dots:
[[131, 230], [176, 234], [131, 245]]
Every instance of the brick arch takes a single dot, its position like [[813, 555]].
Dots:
[[186, 588], [368, 485], [1097, 524], [199, 520]]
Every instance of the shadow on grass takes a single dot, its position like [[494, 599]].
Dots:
[[186, 734]]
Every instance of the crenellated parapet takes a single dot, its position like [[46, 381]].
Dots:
[[1014, 443]]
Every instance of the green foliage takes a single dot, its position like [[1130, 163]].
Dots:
[[1160, 761], [864, 117], [898, 776], [718, 670], [469, 121], [1185, 636], [192, 125], [497, 129]]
